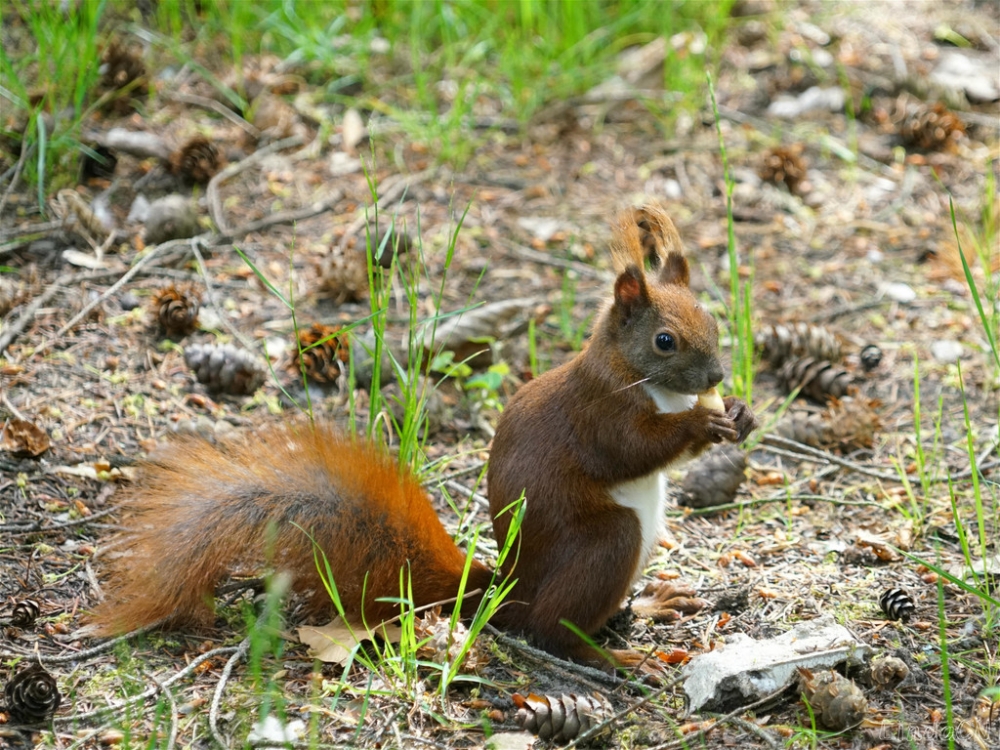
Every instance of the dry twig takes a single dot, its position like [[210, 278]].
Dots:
[[214, 106], [213, 713], [212, 192]]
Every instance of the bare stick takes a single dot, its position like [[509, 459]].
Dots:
[[172, 734], [217, 107], [282, 217], [536, 257], [803, 452], [597, 728], [42, 228], [695, 737], [213, 713], [212, 192]]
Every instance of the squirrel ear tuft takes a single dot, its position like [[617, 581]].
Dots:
[[675, 270], [630, 288]]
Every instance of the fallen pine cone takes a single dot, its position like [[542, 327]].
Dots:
[[122, 69], [344, 275], [714, 478], [848, 424], [23, 438], [816, 378], [885, 673], [560, 718], [784, 164], [32, 695], [897, 604], [837, 703], [933, 128], [225, 368], [783, 341], [321, 354], [442, 644], [25, 613], [176, 310], [197, 161]]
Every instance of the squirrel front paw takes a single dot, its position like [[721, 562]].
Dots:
[[718, 425], [742, 417]]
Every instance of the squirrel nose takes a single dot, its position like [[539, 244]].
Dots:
[[713, 376]]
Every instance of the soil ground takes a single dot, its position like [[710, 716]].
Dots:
[[863, 246]]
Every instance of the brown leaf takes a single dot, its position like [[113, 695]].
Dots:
[[21, 437], [333, 642]]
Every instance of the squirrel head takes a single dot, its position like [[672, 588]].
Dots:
[[657, 330]]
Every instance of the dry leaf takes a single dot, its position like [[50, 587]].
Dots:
[[333, 643], [22, 437]]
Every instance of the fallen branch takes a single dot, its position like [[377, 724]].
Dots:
[[213, 713], [536, 257], [282, 217], [217, 107], [802, 452], [212, 191]]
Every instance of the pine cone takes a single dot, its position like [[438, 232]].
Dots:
[[837, 702], [176, 310], [934, 128], [870, 357], [321, 362], [344, 275], [847, 425], [784, 164], [853, 423], [25, 613], [714, 478], [32, 695], [817, 379], [897, 604], [807, 427], [197, 161], [122, 67], [560, 718], [9, 294], [225, 368], [885, 673], [779, 342]]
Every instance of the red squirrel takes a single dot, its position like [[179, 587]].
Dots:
[[585, 443]]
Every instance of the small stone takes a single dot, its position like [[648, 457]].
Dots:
[[946, 351], [899, 292]]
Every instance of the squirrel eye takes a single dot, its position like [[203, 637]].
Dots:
[[665, 342]]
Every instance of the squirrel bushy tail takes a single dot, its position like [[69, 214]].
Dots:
[[199, 511]]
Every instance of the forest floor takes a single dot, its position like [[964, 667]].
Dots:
[[857, 242]]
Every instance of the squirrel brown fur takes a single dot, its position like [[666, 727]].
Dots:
[[584, 444], [199, 509]]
